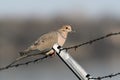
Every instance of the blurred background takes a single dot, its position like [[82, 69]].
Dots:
[[23, 21]]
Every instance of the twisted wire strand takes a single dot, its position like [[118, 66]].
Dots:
[[21, 64], [91, 41], [12, 64], [104, 77]]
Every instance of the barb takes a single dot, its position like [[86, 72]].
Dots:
[[23, 57], [26, 63], [26, 56], [91, 41], [104, 77]]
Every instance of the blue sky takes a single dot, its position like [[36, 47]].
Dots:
[[50, 7]]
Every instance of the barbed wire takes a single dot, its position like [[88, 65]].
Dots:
[[26, 63], [28, 55], [91, 41], [103, 77], [67, 48]]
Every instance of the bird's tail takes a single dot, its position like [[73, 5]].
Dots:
[[28, 50]]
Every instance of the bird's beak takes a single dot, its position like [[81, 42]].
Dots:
[[73, 31]]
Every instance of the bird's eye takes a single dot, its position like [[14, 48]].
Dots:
[[66, 27]]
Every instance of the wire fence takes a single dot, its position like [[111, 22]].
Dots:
[[11, 65], [91, 41], [21, 64], [104, 77]]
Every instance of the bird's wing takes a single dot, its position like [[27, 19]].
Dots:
[[46, 41]]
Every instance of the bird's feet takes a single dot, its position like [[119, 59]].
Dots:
[[52, 54]]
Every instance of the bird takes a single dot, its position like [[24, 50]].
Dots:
[[46, 41]]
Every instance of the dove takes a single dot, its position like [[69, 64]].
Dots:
[[46, 41]]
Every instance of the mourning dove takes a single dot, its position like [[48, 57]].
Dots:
[[46, 41]]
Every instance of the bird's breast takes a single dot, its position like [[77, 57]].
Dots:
[[61, 40]]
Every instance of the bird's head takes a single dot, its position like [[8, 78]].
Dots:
[[66, 28]]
